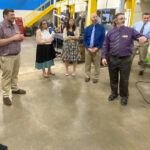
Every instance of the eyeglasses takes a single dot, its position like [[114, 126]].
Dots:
[[122, 19], [44, 23]]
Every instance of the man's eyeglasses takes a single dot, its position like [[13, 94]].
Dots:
[[122, 19], [44, 23]]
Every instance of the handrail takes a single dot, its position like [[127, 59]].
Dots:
[[39, 10]]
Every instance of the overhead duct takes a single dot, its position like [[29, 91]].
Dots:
[[138, 1], [120, 9]]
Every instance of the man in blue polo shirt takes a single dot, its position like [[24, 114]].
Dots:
[[142, 27], [93, 40]]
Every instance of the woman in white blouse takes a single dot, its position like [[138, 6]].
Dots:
[[45, 52]]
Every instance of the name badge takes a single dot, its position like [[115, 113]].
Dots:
[[125, 36]]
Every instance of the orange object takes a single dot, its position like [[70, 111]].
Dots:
[[19, 23]]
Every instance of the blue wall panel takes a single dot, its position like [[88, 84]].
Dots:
[[21, 4]]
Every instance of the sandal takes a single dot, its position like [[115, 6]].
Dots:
[[45, 76], [73, 74], [66, 74], [51, 73]]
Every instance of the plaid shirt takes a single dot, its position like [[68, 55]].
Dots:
[[7, 31]]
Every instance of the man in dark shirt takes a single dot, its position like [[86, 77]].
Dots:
[[93, 40], [117, 49], [10, 47]]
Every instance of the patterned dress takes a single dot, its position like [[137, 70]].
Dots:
[[71, 50]]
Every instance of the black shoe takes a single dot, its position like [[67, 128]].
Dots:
[[6, 101], [3, 147], [95, 80], [124, 101], [112, 97], [20, 91], [87, 79]]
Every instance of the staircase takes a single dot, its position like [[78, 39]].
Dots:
[[38, 13]]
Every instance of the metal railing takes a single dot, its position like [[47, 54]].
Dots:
[[36, 13]]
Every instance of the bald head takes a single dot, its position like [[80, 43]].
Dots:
[[94, 18]]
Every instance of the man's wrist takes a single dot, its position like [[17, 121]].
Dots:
[[11, 39]]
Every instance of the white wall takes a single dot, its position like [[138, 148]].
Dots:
[[144, 6], [108, 4], [1, 16], [18, 13], [22, 13], [79, 7]]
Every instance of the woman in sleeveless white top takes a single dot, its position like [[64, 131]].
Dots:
[[45, 52]]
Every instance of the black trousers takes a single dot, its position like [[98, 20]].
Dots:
[[3, 147], [119, 67]]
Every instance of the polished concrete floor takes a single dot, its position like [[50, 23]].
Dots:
[[65, 113]]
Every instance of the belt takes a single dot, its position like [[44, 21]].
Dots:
[[12, 54], [93, 46], [120, 57]]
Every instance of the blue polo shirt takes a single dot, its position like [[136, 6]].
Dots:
[[137, 26], [98, 37]]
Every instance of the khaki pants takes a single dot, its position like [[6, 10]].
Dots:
[[10, 69], [143, 50], [149, 48], [95, 58]]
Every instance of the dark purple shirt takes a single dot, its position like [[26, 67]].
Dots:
[[7, 31], [126, 45]]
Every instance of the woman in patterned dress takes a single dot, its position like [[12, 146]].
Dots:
[[45, 52], [71, 52]]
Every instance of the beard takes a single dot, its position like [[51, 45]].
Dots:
[[11, 21], [122, 24]]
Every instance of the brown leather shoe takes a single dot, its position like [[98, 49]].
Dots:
[[141, 72], [95, 80], [87, 79], [20, 91], [7, 101]]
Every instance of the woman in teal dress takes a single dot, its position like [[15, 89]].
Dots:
[[45, 52]]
